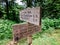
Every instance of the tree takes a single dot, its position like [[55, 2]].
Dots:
[[28, 3], [50, 8], [7, 6]]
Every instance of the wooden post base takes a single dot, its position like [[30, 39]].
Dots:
[[12, 43], [29, 39]]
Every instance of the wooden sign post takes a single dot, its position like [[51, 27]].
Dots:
[[32, 16], [33, 25], [29, 39]]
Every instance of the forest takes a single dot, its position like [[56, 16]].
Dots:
[[50, 20]]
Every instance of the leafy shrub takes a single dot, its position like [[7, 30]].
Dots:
[[47, 23], [57, 23], [6, 29]]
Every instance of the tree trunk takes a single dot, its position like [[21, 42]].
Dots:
[[7, 9]]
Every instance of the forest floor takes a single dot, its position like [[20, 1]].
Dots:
[[45, 38]]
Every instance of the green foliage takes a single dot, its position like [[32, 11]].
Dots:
[[57, 23], [47, 23], [14, 12], [5, 29], [2, 11], [10, 10], [50, 8]]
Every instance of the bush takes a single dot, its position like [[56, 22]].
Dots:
[[6, 29], [47, 23], [57, 23]]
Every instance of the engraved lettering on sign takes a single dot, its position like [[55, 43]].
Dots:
[[31, 15]]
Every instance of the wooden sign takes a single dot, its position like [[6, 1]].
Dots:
[[23, 30], [33, 25], [20, 31], [31, 15], [32, 29]]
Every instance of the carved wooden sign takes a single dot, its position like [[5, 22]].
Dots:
[[32, 29], [20, 31], [31, 15], [23, 30], [33, 25]]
